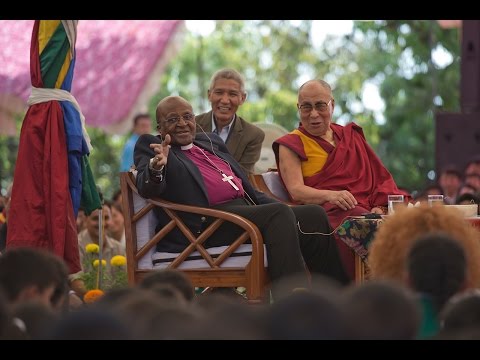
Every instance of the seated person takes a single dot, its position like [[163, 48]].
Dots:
[[430, 189], [473, 180], [450, 180], [142, 124], [393, 240], [91, 235], [243, 139], [460, 316], [33, 274], [331, 165], [468, 199], [473, 166], [199, 171], [436, 270], [466, 189]]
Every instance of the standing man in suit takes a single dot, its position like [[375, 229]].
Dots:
[[199, 171], [243, 139]]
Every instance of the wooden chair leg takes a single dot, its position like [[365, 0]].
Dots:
[[359, 270]]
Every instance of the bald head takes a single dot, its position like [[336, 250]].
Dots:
[[167, 103], [314, 85], [175, 117]]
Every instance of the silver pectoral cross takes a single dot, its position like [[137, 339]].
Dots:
[[229, 179]]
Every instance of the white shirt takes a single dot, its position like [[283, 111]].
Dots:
[[225, 131]]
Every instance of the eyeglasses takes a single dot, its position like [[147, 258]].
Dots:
[[319, 106], [188, 117]]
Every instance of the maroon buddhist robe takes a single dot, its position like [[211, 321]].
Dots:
[[352, 165]]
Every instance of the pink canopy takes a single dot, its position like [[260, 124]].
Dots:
[[118, 68]]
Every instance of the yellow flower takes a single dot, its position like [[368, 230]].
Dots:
[[92, 248], [118, 260], [96, 262], [92, 296]]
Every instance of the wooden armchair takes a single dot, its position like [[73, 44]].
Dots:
[[215, 270]]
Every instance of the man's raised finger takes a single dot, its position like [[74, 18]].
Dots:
[[166, 141]]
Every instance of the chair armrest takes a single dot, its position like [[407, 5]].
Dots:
[[247, 225], [250, 229]]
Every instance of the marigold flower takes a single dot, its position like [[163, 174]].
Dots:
[[92, 248], [96, 262], [118, 260], [92, 296]]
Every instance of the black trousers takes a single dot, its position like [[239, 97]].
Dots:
[[288, 248]]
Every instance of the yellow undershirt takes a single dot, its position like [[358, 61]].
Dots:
[[316, 155]]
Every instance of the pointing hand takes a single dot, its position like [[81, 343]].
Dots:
[[161, 152]]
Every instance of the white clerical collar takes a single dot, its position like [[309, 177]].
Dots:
[[186, 147]]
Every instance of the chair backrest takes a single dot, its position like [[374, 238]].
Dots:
[[270, 183], [213, 271]]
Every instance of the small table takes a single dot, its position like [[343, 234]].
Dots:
[[358, 234]]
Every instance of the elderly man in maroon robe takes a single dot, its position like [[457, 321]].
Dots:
[[331, 165]]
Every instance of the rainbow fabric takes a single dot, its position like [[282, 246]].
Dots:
[[52, 174]]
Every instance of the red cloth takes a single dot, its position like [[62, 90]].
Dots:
[[41, 212], [352, 165]]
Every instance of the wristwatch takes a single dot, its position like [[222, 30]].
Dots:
[[156, 173]]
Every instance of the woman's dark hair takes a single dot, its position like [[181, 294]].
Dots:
[[437, 267]]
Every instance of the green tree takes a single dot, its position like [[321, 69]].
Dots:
[[272, 55], [8, 155], [397, 56], [105, 160], [276, 56]]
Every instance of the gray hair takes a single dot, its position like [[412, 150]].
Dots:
[[229, 74]]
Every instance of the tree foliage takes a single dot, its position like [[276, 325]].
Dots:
[[276, 56], [397, 56], [270, 54], [105, 160]]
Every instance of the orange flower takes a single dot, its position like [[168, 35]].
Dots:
[[92, 296]]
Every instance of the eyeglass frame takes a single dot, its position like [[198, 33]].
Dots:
[[302, 109], [175, 119]]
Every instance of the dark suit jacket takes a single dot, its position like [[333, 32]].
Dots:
[[183, 183], [244, 141]]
